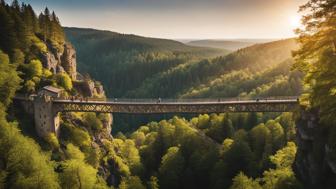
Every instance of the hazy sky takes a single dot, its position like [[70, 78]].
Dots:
[[181, 18]]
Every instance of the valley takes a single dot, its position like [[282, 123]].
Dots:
[[89, 108]]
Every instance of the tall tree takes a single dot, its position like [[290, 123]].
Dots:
[[8, 40], [317, 56], [45, 24]]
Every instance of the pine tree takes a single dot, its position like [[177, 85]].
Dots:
[[16, 5], [8, 39], [317, 56], [45, 24]]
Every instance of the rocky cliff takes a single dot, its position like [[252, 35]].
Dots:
[[58, 61], [315, 163], [64, 61], [69, 61]]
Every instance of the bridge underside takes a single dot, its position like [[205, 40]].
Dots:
[[160, 108]]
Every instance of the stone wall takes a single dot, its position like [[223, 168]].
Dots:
[[46, 120]]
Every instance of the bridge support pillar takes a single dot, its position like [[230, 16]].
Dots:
[[46, 119]]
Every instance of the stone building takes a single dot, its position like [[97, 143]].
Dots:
[[46, 119]]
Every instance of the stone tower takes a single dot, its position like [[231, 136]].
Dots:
[[46, 119]]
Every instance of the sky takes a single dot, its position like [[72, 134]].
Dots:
[[181, 19]]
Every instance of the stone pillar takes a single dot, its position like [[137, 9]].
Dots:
[[46, 120]]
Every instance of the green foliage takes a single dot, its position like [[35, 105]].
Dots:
[[316, 57], [241, 181], [53, 141], [261, 141], [171, 168], [33, 69], [22, 163], [182, 154], [18, 56], [283, 176], [9, 80], [4, 59], [280, 178], [75, 135], [132, 182], [135, 60], [153, 183], [285, 157], [74, 153], [228, 76], [64, 81], [77, 174], [277, 133], [91, 121], [21, 32]]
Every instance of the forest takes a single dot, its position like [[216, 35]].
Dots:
[[227, 150], [124, 62]]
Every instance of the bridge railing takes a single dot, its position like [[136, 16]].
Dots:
[[163, 100]]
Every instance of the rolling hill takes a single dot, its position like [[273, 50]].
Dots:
[[140, 67], [229, 44], [123, 62], [252, 71], [221, 44]]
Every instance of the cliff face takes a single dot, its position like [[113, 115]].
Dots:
[[315, 164], [69, 61], [89, 88], [58, 61], [64, 60]]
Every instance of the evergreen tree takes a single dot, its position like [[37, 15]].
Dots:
[[317, 55], [16, 5], [171, 168], [45, 24], [8, 38]]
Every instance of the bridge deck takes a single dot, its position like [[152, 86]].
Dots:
[[145, 106]]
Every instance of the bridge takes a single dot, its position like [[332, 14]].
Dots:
[[161, 106], [46, 108]]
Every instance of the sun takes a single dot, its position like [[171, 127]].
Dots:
[[295, 21]]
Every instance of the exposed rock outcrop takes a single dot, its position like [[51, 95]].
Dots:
[[89, 88], [60, 61], [49, 62], [69, 61], [314, 164]]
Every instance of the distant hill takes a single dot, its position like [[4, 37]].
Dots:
[[231, 45], [140, 67], [123, 62], [258, 70], [129, 41]]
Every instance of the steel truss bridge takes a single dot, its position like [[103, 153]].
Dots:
[[161, 106]]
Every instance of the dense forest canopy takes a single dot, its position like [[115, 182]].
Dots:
[[241, 150], [163, 68], [123, 62], [317, 56], [211, 77]]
